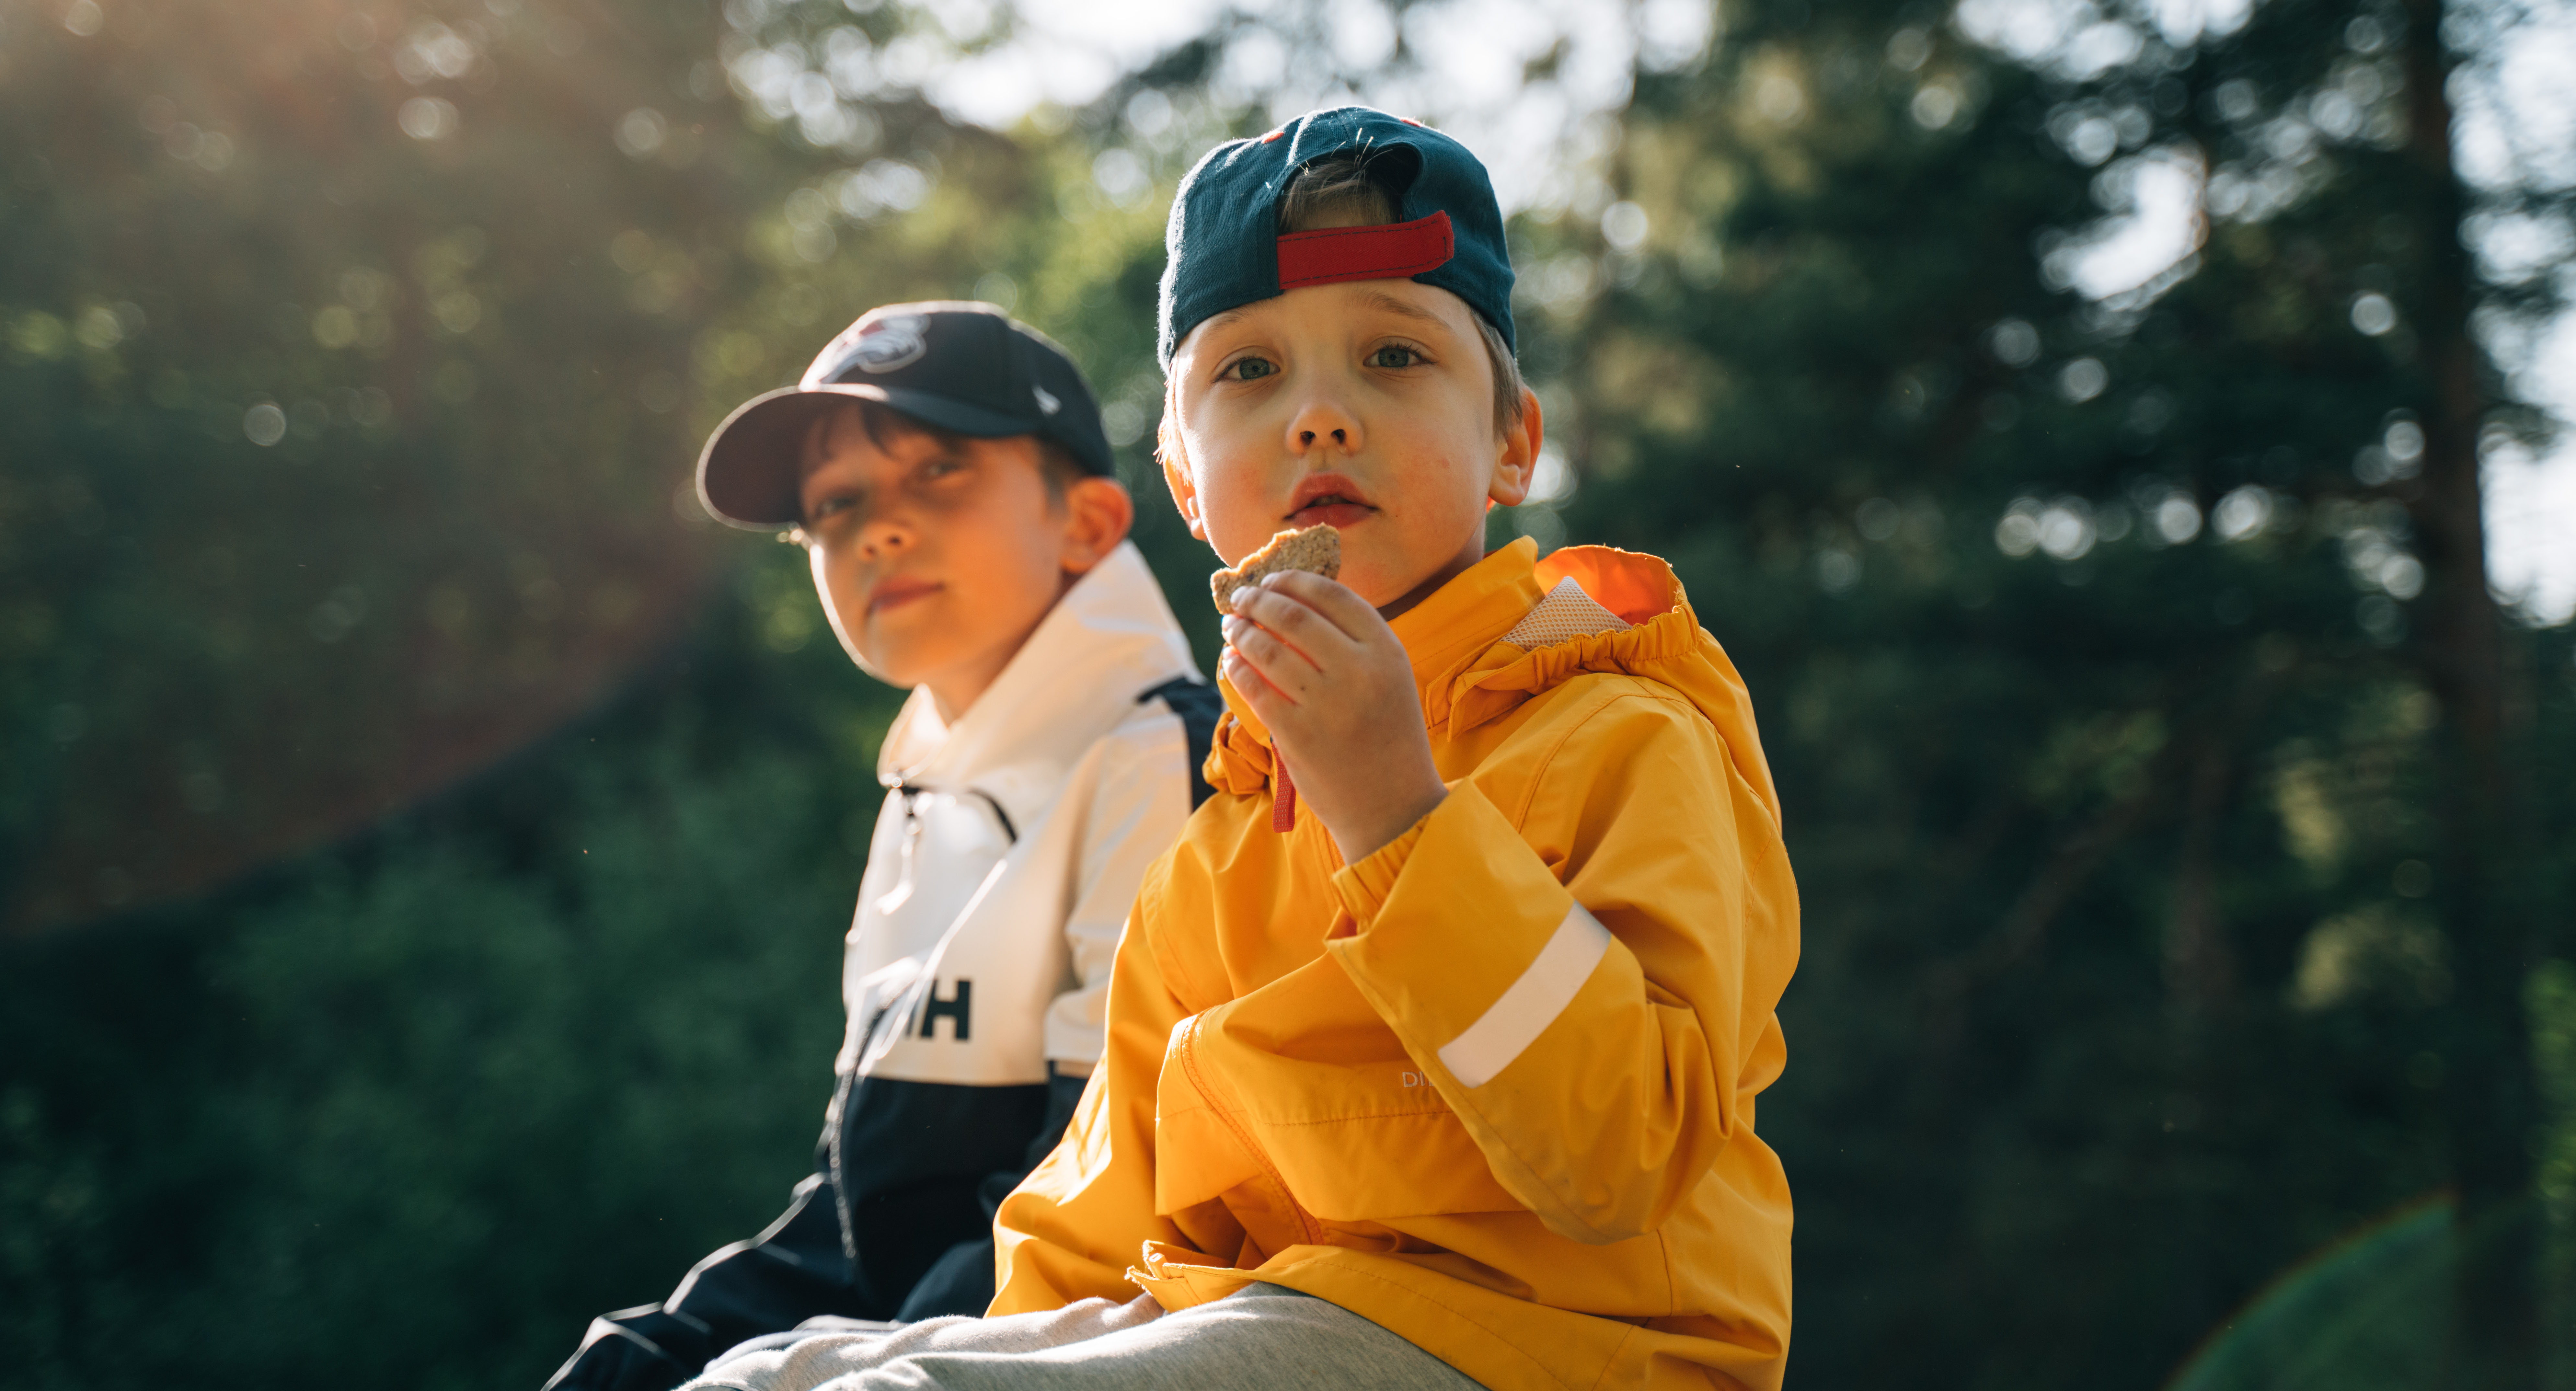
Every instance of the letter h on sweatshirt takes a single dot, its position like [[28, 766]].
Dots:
[[957, 1009]]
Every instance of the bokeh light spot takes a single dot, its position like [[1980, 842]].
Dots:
[[264, 424], [428, 118], [1779, 98], [2177, 519], [2015, 342], [1624, 226], [2065, 529], [335, 327], [1935, 106], [2243, 513], [1121, 177], [2404, 442], [1837, 570], [1123, 422], [640, 132], [998, 288], [2083, 379]]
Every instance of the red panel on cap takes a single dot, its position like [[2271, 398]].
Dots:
[[1365, 253]]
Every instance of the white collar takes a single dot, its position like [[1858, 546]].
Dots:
[[1108, 640]]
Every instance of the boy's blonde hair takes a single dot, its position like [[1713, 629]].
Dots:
[[1339, 191]]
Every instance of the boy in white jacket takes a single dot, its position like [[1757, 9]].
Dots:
[[946, 470]]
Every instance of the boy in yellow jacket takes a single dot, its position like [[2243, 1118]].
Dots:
[[1452, 1079]]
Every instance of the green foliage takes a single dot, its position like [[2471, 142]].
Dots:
[[439, 1099], [475, 823], [357, 364], [2081, 643]]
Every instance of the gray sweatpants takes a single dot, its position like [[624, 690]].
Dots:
[[1261, 1338]]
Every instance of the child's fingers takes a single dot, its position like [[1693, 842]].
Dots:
[[1283, 667], [1337, 603], [1265, 699], [1290, 620]]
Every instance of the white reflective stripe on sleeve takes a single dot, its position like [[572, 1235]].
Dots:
[[1532, 1003]]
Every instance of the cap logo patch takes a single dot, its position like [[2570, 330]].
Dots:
[[1046, 399], [1366, 253], [896, 341]]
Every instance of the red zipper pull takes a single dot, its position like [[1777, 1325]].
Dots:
[[1283, 802]]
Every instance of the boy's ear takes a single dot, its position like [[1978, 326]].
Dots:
[[1176, 467], [1097, 515], [1516, 456]]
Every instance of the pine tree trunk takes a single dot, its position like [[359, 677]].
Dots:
[[2488, 1089]]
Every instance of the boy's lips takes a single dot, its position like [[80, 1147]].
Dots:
[[895, 593], [1328, 512], [1328, 499]]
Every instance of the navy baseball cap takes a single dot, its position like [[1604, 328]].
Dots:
[[957, 365], [1223, 248]]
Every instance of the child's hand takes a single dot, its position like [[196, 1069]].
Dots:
[[1333, 684]]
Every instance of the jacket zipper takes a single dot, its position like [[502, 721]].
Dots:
[[1243, 1136]]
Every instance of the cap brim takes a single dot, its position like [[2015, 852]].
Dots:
[[751, 473]]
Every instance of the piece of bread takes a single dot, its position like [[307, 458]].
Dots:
[[1317, 549]]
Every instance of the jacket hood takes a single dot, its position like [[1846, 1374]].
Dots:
[[1111, 638], [1507, 631]]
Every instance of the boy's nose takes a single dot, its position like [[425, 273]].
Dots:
[[882, 534], [1318, 421]]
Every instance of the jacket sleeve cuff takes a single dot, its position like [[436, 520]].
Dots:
[[1364, 886], [1459, 920]]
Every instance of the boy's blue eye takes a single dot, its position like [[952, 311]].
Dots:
[[1244, 369], [1394, 355]]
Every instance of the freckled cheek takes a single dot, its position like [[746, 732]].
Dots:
[[1434, 476], [1234, 501]]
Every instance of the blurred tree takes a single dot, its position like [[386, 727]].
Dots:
[[2127, 824], [354, 364], [431, 1102], [342, 438], [2331, 127]]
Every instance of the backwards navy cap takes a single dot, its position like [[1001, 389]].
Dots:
[[1223, 247]]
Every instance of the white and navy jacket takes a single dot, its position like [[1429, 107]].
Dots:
[[1009, 849]]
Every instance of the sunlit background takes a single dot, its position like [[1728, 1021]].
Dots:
[[2122, 444]]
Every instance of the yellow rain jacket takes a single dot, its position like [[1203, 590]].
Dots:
[[1492, 1087]]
